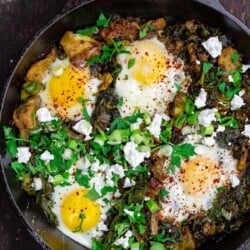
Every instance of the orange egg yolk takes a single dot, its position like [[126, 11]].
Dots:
[[66, 89], [200, 174], [78, 212], [150, 62]]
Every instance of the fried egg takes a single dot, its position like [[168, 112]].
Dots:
[[80, 218], [149, 77], [65, 84], [73, 208], [192, 188]]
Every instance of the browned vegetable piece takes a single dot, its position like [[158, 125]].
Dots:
[[79, 48], [225, 59], [24, 115], [159, 23], [37, 70], [187, 242], [123, 29], [242, 162], [178, 105], [107, 80], [191, 26]]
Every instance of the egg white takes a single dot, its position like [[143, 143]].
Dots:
[[151, 83], [82, 81], [180, 204]]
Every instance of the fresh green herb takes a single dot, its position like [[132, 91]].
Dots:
[[108, 52], [163, 193], [108, 189], [184, 151], [152, 206], [229, 121], [221, 189], [157, 246], [145, 30], [206, 66], [96, 245], [236, 75], [92, 194], [82, 179], [235, 56], [121, 228], [84, 109], [79, 228], [166, 132], [19, 169], [88, 31], [103, 21], [180, 120], [120, 101], [131, 63]]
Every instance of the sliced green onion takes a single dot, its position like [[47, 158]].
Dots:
[[207, 130], [147, 118], [152, 206], [118, 136], [229, 121], [180, 120]]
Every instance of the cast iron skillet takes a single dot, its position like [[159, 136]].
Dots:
[[208, 11]]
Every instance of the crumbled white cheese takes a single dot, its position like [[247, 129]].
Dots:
[[124, 240], [37, 184], [46, 156], [213, 46], [132, 155], [23, 154], [199, 150], [220, 129], [206, 117], [117, 169], [245, 67], [128, 183], [58, 66], [230, 78], [136, 125], [44, 115], [246, 131], [234, 181], [155, 126], [128, 212], [237, 102], [67, 154], [198, 62], [208, 140], [83, 127], [201, 99]]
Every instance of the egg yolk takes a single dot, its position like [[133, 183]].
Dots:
[[79, 211], [199, 174], [150, 62], [66, 89]]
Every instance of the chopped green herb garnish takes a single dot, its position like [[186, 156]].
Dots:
[[145, 30], [235, 57], [92, 194], [79, 228], [184, 151], [131, 63]]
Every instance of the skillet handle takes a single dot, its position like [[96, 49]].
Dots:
[[213, 3]]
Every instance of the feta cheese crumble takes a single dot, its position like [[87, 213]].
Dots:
[[124, 240], [132, 155], [246, 131], [237, 102], [213, 46], [234, 181], [44, 115], [83, 127], [23, 154], [245, 67], [46, 156], [208, 140], [206, 117], [201, 99], [155, 126], [37, 184]]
